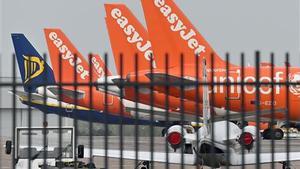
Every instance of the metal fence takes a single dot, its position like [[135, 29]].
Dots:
[[189, 116]]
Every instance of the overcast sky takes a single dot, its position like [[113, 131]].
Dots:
[[230, 25]]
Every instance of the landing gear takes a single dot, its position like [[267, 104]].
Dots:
[[276, 134], [143, 165], [241, 124], [285, 165]]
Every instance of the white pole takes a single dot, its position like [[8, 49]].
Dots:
[[206, 105], [1, 29]]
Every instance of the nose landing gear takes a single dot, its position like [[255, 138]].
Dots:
[[285, 165], [143, 165]]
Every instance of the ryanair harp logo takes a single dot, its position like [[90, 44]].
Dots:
[[33, 66]]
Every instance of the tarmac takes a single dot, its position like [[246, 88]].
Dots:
[[144, 144]]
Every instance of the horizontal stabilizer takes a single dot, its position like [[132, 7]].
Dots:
[[24, 96], [223, 114], [190, 159], [66, 92], [173, 158], [161, 114], [38, 99], [188, 83], [236, 159]]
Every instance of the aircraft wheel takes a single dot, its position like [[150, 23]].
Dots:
[[163, 132], [242, 124], [266, 134], [143, 165], [277, 134], [285, 165]]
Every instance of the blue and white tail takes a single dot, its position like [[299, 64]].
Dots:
[[34, 70]]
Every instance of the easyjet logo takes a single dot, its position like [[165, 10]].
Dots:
[[97, 67], [133, 36], [66, 54], [177, 25]]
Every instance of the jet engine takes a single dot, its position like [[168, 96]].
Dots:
[[248, 137], [181, 137]]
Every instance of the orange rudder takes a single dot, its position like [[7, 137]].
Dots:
[[128, 38], [60, 47], [98, 66], [171, 32]]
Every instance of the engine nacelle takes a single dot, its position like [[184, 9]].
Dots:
[[252, 130], [175, 137], [248, 137], [181, 137]]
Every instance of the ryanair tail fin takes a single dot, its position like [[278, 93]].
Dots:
[[168, 26], [128, 37], [65, 58], [34, 70], [98, 66]]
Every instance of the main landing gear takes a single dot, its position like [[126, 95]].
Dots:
[[276, 134], [143, 165], [285, 165]]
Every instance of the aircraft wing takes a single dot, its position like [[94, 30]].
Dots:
[[24, 96], [162, 114], [190, 159], [54, 90], [173, 158], [236, 159], [186, 81], [41, 100], [221, 114], [66, 92]]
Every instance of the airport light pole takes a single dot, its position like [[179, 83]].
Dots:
[[1, 29]]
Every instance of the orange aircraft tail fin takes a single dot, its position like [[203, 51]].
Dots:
[[172, 33], [128, 38], [60, 46], [99, 66]]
